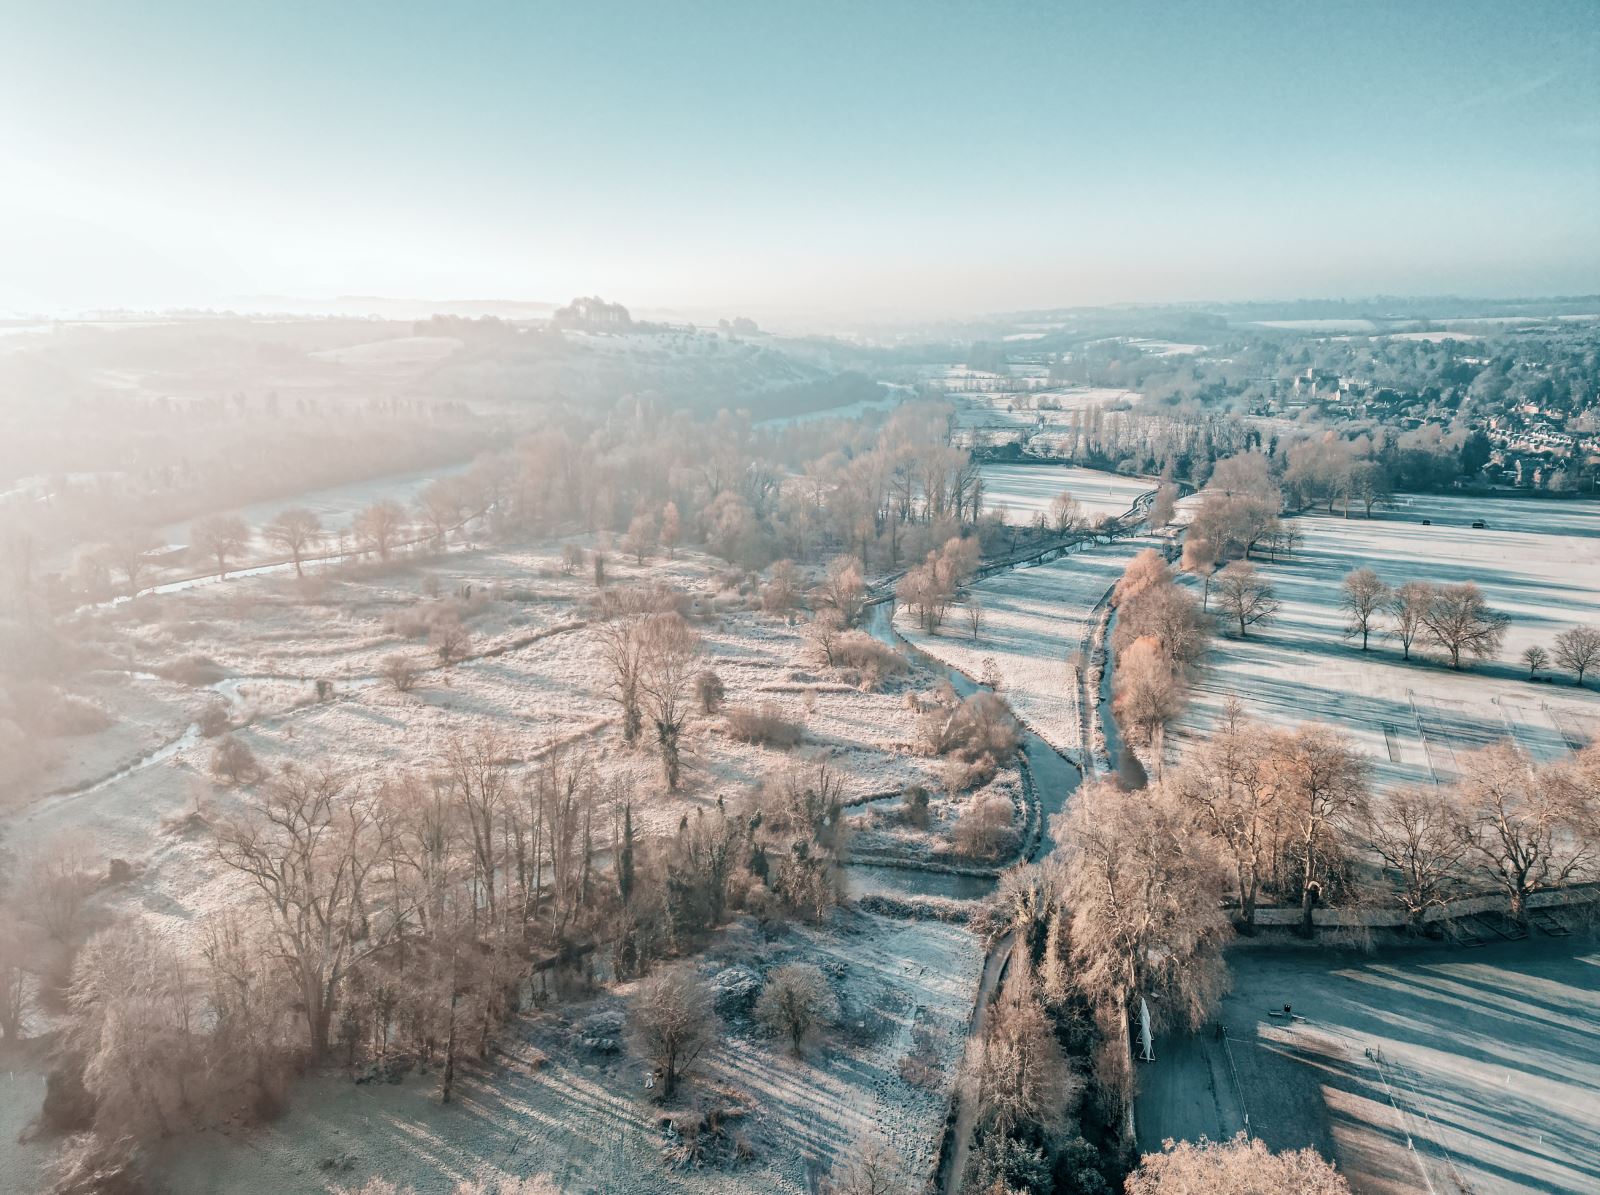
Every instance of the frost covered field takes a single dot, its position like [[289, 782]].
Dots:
[[257, 646], [1027, 490], [546, 1106], [1538, 561], [1036, 627]]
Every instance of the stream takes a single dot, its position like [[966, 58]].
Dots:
[[1053, 776]]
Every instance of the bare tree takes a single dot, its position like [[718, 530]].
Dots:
[[137, 1016], [296, 533], [1537, 659], [641, 537], [1065, 513], [1225, 780], [221, 537], [1200, 558], [442, 507], [621, 649], [1164, 508], [1459, 620], [842, 590], [1363, 595], [1232, 1167], [825, 629], [868, 1167], [127, 552], [671, 530], [666, 670], [1148, 694], [796, 1002], [381, 526], [1527, 828], [1244, 596], [307, 851], [972, 607], [1578, 649], [1408, 603], [1023, 1081], [1143, 894], [1416, 836], [1320, 784], [671, 1024]]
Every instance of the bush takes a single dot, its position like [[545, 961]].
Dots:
[[709, 691], [400, 672], [191, 670], [875, 661], [213, 720], [914, 806], [984, 828], [234, 762], [765, 726]]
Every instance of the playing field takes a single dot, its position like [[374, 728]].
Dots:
[[1435, 1069], [1538, 561]]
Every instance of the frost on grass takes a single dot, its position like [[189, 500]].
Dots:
[[1036, 629], [1538, 562], [551, 1104]]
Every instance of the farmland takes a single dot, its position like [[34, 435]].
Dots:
[[1539, 562]]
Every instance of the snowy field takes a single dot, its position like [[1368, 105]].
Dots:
[[1483, 1060], [534, 676], [337, 506], [544, 1107], [1036, 625], [1538, 561], [1027, 490]]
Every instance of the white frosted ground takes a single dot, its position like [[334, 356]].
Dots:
[[1537, 560], [1026, 490], [1035, 620]]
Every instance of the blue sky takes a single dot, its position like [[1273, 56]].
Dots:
[[864, 158]]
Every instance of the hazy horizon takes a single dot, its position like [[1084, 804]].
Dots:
[[919, 161]]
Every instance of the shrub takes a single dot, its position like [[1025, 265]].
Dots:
[[709, 691], [765, 726], [213, 720], [234, 762], [193, 670], [914, 806], [984, 828], [400, 672], [875, 661]]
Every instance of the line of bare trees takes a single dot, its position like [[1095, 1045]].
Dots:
[[1294, 815], [1454, 618], [390, 924], [1161, 633]]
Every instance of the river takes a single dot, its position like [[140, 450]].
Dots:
[[1054, 781]]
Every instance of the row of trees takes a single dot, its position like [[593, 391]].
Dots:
[[1455, 618], [1297, 821]]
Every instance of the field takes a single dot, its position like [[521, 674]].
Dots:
[[1036, 625], [544, 1106], [143, 792], [1027, 490], [1537, 561], [1485, 1062]]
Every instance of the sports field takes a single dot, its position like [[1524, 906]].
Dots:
[[1433, 1069]]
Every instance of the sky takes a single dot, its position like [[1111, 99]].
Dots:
[[868, 159]]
